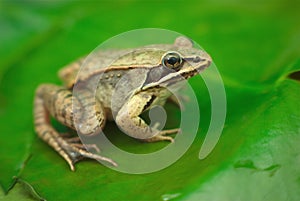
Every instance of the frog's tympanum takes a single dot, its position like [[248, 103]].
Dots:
[[157, 66]]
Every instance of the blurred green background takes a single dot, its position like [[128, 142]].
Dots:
[[255, 46]]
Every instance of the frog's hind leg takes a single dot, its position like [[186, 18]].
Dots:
[[57, 101]]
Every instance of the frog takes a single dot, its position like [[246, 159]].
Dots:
[[156, 67]]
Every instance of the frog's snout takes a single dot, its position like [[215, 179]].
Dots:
[[206, 57]]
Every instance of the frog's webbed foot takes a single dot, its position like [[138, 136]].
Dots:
[[161, 136], [72, 150]]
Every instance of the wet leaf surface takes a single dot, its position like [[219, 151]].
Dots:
[[255, 47]]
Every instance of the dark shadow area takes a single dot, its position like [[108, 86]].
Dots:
[[295, 75]]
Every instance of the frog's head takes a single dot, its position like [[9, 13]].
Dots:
[[176, 62]]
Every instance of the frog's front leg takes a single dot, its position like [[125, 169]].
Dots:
[[130, 122], [57, 102]]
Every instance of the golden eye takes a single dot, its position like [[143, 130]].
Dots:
[[172, 60]]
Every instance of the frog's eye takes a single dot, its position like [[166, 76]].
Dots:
[[172, 60]]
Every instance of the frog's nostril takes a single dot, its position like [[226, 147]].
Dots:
[[197, 59]]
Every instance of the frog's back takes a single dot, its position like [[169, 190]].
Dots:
[[93, 62], [100, 61]]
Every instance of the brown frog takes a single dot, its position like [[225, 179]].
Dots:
[[155, 68]]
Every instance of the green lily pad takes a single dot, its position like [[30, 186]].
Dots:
[[255, 46]]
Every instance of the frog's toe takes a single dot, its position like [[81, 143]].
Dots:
[[167, 138], [72, 139], [88, 146], [158, 138], [161, 136], [87, 154], [73, 152], [170, 131]]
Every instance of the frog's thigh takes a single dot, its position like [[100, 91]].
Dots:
[[61, 104], [54, 100], [57, 101]]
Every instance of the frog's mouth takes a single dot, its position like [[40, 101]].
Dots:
[[197, 70], [184, 75]]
